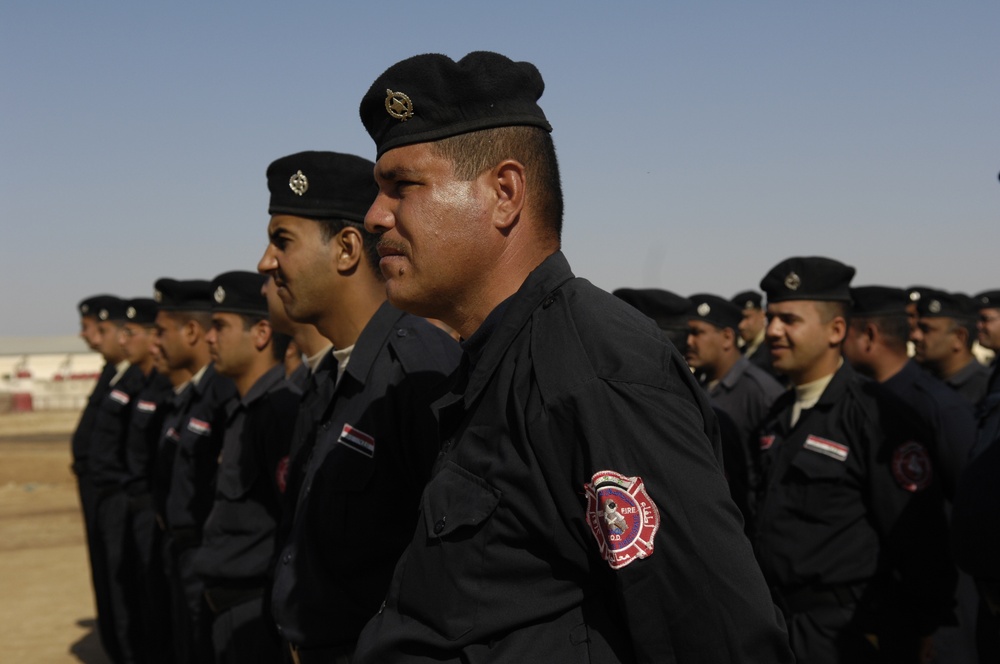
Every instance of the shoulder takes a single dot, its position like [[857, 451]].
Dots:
[[768, 384], [421, 347]]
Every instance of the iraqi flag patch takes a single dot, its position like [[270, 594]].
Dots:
[[200, 427], [120, 397], [622, 517], [912, 467], [827, 447], [146, 406], [357, 440], [766, 442]]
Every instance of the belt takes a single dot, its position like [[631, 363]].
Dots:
[[800, 600], [341, 655], [222, 599]]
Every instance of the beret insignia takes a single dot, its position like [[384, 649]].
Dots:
[[704, 309], [934, 306], [792, 281], [157, 295], [298, 183], [130, 312], [398, 105], [103, 314], [220, 295]]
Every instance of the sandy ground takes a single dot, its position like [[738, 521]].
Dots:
[[46, 601]]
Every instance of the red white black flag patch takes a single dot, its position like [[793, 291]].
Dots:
[[200, 427], [120, 397], [911, 466], [827, 447], [622, 516], [357, 440]]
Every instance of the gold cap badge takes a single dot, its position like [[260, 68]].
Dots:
[[704, 309], [130, 312], [298, 183], [398, 105]]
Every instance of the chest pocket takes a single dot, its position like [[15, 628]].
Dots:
[[446, 559], [818, 484], [238, 470], [346, 465]]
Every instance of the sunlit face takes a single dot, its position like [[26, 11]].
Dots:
[[799, 339], [170, 341], [301, 264], [751, 324], [989, 328], [934, 340], [90, 332], [137, 342], [110, 345], [230, 344], [705, 344], [434, 243]]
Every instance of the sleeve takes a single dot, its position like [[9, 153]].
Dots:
[[662, 532]]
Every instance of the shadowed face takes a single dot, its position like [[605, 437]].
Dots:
[[301, 264]]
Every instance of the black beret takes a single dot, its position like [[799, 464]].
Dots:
[[91, 305], [187, 295], [878, 301], [914, 292], [748, 300], [322, 185], [942, 304], [716, 310], [141, 310], [429, 97], [808, 278], [668, 309], [240, 293], [109, 307], [987, 300]]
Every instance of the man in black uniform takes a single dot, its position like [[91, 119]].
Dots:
[[238, 537], [577, 511], [667, 309], [90, 332], [851, 532], [875, 346], [742, 391], [946, 328], [148, 590], [182, 323], [752, 324], [375, 440]]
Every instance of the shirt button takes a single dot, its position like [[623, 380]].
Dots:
[[400, 333], [548, 302], [439, 526], [288, 558]]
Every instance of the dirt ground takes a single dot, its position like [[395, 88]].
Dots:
[[46, 600]]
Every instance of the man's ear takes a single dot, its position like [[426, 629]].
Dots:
[[261, 333], [348, 246], [508, 181]]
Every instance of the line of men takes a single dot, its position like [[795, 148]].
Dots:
[[308, 467]]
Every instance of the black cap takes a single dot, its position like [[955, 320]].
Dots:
[[668, 309], [429, 97], [987, 300], [878, 301], [110, 307], [322, 185], [748, 300], [716, 310], [913, 293], [141, 310], [240, 293], [808, 278], [92, 305], [942, 304], [187, 295]]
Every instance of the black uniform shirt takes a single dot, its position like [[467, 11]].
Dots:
[[149, 408], [166, 448], [945, 413], [199, 440], [357, 506], [850, 499], [581, 444], [80, 444], [238, 536], [971, 381], [106, 460]]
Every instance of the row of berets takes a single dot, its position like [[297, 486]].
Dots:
[[183, 452]]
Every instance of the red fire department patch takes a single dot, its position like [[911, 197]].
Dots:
[[911, 466], [281, 474], [622, 516]]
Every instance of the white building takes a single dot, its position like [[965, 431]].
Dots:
[[46, 373]]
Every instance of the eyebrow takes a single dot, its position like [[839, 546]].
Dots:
[[396, 173]]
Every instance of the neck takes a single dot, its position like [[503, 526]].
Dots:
[[309, 340], [263, 363], [350, 312], [953, 364], [826, 366], [889, 367]]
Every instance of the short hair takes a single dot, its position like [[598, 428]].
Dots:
[[328, 228], [893, 328], [202, 318], [474, 152], [279, 341], [970, 327], [830, 309]]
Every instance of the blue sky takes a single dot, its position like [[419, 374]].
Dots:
[[700, 143]]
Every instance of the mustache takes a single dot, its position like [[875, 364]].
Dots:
[[385, 246]]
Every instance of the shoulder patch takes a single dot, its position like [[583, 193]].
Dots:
[[200, 427], [357, 440], [912, 467], [622, 516], [120, 397], [827, 447], [766, 442]]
